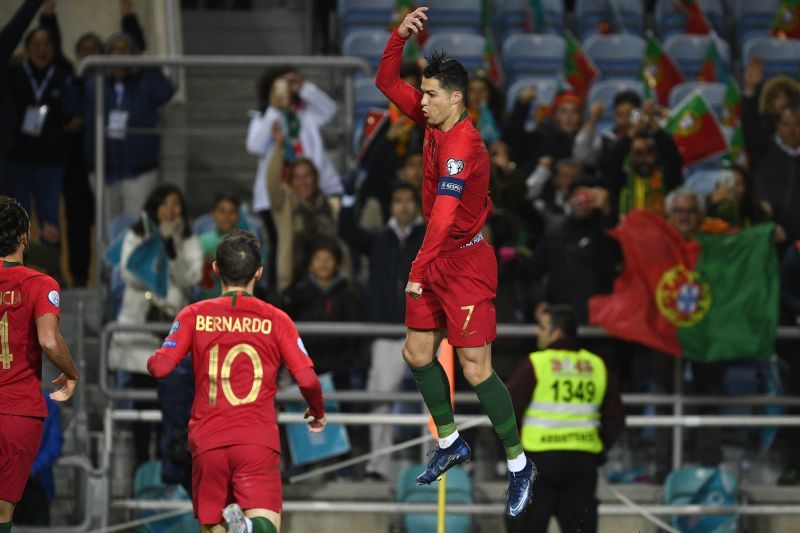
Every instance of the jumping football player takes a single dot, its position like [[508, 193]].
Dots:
[[238, 343], [453, 279]]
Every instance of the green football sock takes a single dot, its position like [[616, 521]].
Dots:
[[263, 525], [496, 402], [432, 383], [5, 527]]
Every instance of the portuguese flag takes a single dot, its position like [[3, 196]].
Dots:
[[786, 24], [579, 69], [714, 298], [413, 50], [737, 154], [535, 21], [659, 72], [490, 57], [713, 68], [732, 108], [696, 21], [696, 130]]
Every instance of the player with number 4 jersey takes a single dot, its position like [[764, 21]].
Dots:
[[29, 317], [237, 344]]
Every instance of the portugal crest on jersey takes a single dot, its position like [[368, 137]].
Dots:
[[682, 296]]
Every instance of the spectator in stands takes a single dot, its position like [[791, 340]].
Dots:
[[591, 148], [553, 136], [391, 250], [34, 507], [175, 397], [325, 295], [132, 100], [302, 213], [376, 208], [790, 307], [734, 201], [763, 103], [226, 219], [298, 109], [163, 234], [576, 259], [486, 107], [508, 190], [10, 35], [43, 104], [642, 166], [776, 167], [548, 191]]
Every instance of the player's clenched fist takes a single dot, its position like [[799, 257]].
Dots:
[[413, 22], [414, 289]]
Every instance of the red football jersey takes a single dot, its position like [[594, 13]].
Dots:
[[237, 343], [456, 168], [25, 295]]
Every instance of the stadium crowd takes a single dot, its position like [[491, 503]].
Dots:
[[338, 242]]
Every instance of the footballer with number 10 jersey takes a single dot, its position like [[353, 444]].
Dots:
[[237, 344]]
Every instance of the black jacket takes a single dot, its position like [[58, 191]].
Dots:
[[527, 147], [576, 260], [389, 264]]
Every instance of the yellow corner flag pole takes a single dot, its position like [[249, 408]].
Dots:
[[446, 358], [442, 514]]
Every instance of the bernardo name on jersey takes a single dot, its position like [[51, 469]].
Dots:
[[228, 324]]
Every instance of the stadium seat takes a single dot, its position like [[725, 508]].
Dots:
[[366, 44], [366, 96], [754, 19], [546, 89], [463, 16], [147, 485], [617, 56], [713, 92], [512, 17], [533, 55], [589, 14], [702, 486], [468, 48], [703, 181], [689, 51], [780, 56], [604, 91], [459, 491], [670, 21], [364, 15]]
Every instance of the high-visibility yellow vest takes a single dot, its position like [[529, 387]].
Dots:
[[564, 413]]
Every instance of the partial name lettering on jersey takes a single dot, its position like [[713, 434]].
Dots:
[[11, 297]]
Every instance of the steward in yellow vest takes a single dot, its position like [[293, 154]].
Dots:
[[569, 412]]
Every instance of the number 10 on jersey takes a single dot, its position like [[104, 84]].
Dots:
[[225, 374]]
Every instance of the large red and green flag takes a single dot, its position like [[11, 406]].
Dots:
[[786, 24], [660, 73], [695, 129], [413, 49], [696, 21], [491, 58], [710, 299], [579, 69]]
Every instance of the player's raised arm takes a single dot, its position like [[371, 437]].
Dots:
[[388, 80], [56, 349], [175, 346]]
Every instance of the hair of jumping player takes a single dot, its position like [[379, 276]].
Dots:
[[154, 200], [564, 319], [14, 223], [451, 74], [238, 257]]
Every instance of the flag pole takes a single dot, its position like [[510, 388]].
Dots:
[[442, 502]]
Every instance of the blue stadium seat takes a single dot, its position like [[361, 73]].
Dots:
[[147, 485], [590, 13], [702, 486], [689, 51], [546, 89], [468, 48], [713, 92], [617, 56], [671, 21], [780, 56], [511, 15], [364, 15], [533, 55], [604, 91], [703, 181], [459, 491], [754, 18], [366, 96], [366, 44], [455, 16]]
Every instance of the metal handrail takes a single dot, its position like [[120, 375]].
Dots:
[[99, 65]]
